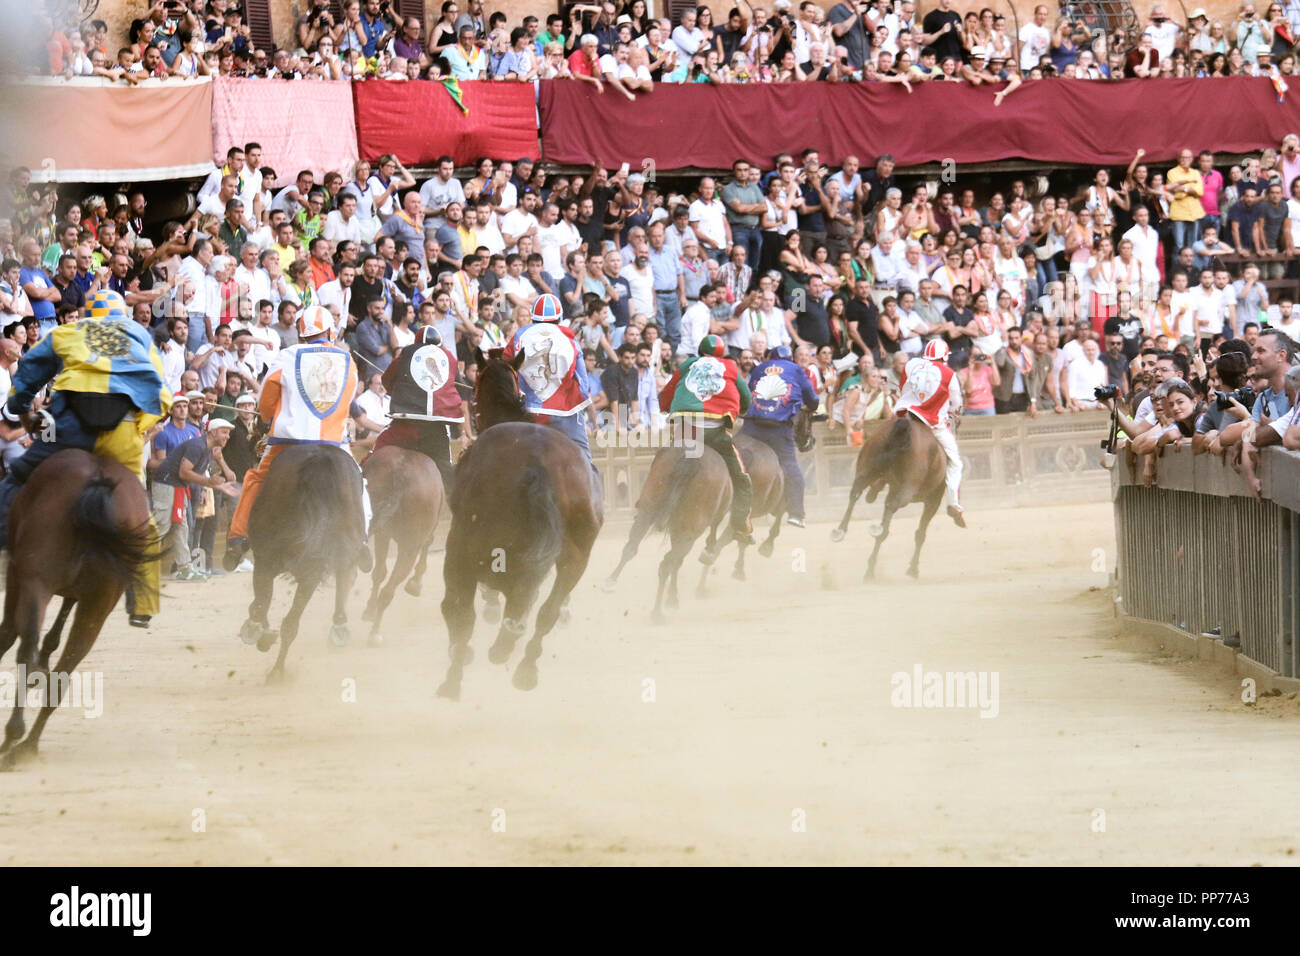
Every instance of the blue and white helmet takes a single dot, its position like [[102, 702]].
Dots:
[[547, 308]]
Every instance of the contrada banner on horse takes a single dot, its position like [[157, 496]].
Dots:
[[154, 131], [306, 125], [1103, 123], [418, 122]]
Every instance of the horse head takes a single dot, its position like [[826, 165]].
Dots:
[[496, 393], [804, 439]]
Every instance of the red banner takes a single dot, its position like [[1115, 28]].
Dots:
[[1053, 121], [419, 121]]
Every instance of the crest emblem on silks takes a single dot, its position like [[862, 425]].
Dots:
[[103, 340], [548, 358], [771, 387], [705, 378], [430, 368], [926, 381], [322, 375]]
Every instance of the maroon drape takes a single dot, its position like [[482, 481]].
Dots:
[[1055, 120], [419, 121]]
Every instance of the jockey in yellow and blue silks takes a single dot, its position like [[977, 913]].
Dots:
[[108, 391]]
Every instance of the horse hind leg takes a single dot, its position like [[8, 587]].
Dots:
[[85, 629], [860, 482], [931, 506], [256, 628], [569, 569], [514, 622], [891, 505], [378, 575], [769, 543], [28, 614], [54, 635], [421, 562], [289, 626], [668, 568], [344, 576], [458, 612], [402, 565]]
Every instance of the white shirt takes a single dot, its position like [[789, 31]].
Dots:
[[1206, 311], [1182, 305], [510, 285], [908, 338], [688, 41], [1144, 248], [1163, 37], [1084, 376], [674, 239], [516, 223], [173, 362], [1012, 276], [489, 236], [641, 284], [333, 293], [209, 373], [375, 407], [709, 220], [337, 229], [194, 298], [695, 326], [1035, 41], [555, 242], [261, 355]]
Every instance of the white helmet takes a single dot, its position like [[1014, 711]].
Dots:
[[936, 350]]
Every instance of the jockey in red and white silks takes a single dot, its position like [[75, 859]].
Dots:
[[930, 390]]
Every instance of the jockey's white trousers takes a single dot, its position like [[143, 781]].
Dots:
[[952, 475]]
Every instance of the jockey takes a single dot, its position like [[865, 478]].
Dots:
[[780, 388], [424, 400], [930, 391], [108, 391], [305, 398], [553, 375], [708, 392]]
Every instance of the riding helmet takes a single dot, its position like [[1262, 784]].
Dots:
[[547, 308], [315, 320], [428, 335], [780, 352], [712, 345], [936, 350], [105, 304]]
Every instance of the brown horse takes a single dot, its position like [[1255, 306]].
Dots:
[[769, 487], [687, 492], [79, 527], [308, 523], [524, 500], [406, 493], [905, 456]]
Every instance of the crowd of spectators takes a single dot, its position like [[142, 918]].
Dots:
[[621, 45]]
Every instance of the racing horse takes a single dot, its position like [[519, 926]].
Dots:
[[687, 492], [407, 495], [769, 488], [308, 522], [524, 500], [80, 528], [905, 456]]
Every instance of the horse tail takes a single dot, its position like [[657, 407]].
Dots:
[[113, 551], [543, 522], [679, 480]]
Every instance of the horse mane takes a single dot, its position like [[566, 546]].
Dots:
[[496, 394]]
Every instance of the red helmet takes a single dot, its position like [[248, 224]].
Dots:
[[936, 350]]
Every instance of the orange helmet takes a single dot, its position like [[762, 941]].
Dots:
[[315, 320]]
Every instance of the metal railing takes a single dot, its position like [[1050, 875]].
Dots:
[[1198, 552], [1009, 460]]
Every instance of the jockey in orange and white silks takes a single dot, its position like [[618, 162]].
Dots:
[[305, 398], [930, 390]]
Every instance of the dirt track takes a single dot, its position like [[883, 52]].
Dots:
[[770, 697]]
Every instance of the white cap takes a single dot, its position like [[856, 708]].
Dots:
[[219, 423], [978, 51], [193, 393], [1198, 12]]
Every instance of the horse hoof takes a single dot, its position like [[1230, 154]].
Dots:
[[252, 632], [913, 572], [738, 574], [265, 642], [837, 534], [369, 613], [525, 677], [499, 653], [671, 604], [876, 530], [767, 547], [412, 588], [275, 676], [449, 690], [707, 556], [340, 635]]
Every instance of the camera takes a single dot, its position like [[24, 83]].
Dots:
[[1245, 395], [1105, 393]]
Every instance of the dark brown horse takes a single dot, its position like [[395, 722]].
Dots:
[[769, 487], [525, 501], [687, 493], [79, 527], [905, 456], [406, 494], [308, 523]]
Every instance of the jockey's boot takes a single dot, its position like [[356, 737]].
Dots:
[[235, 548]]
